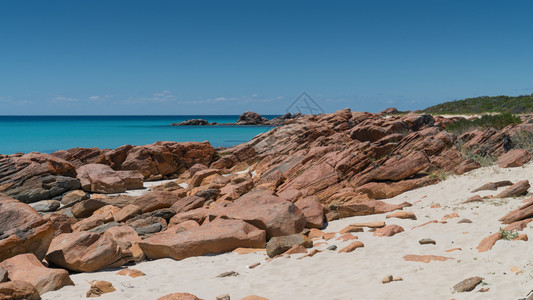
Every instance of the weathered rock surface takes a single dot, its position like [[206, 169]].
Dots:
[[18, 290], [22, 230], [276, 216], [34, 176], [179, 296], [98, 178], [467, 285], [218, 236], [83, 251], [26, 267], [514, 158], [518, 189], [279, 244]]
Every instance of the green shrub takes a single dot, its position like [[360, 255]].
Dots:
[[498, 121], [508, 234], [523, 140], [485, 104]]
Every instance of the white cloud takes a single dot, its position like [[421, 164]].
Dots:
[[95, 98], [162, 96], [60, 99]]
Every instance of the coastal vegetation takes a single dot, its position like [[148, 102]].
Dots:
[[485, 104], [498, 121]]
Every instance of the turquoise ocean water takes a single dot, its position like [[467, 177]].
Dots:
[[51, 133]]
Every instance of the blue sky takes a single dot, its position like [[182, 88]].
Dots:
[[224, 57]]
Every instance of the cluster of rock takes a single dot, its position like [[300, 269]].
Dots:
[[273, 192], [247, 118]]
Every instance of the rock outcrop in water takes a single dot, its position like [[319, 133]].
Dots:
[[248, 118]]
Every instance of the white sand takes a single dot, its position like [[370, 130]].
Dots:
[[357, 275]]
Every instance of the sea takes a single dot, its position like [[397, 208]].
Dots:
[[47, 134]]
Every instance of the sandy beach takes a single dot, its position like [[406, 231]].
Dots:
[[506, 268]]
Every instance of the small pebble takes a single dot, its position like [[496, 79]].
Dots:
[[332, 247], [427, 241], [228, 274]]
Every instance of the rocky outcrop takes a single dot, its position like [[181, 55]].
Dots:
[[251, 118], [276, 216], [84, 252], [218, 236], [192, 122], [34, 176], [22, 230], [98, 178], [26, 267]]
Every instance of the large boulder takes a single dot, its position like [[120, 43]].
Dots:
[[312, 210], [276, 216], [98, 178], [514, 158], [22, 230], [218, 236], [156, 200], [251, 118], [313, 179], [83, 251], [127, 239], [279, 244], [34, 176], [26, 267]]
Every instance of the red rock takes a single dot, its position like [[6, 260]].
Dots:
[[295, 250], [514, 158], [183, 226], [127, 239], [370, 224], [450, 216], [61, 222], [265, 211], [399, 168], [402, 215], [515, 190], [133, 273], [156, 200], [385, 190], [389, 230], [466, 166], [476, 198], [179, 296], [18, 290], [426, 223], [315, 233], [291, 195], [329, 235], [83, 251], [218, 236], [518, 225], [36, 176], [453, 249], [492, 186], [487, 243], [313, 179], [522, 213], [352, 228], [366, 208], [254, 297], [425, 258], [92, 222], [99, 287], [352, 247], [522, 237], [347, 237], [127, 212], [26, 267], [133, 180], [234, 191], [100, 178], [435, 206], [87, 207], [22, 230], [312, 210], [198, 177]]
